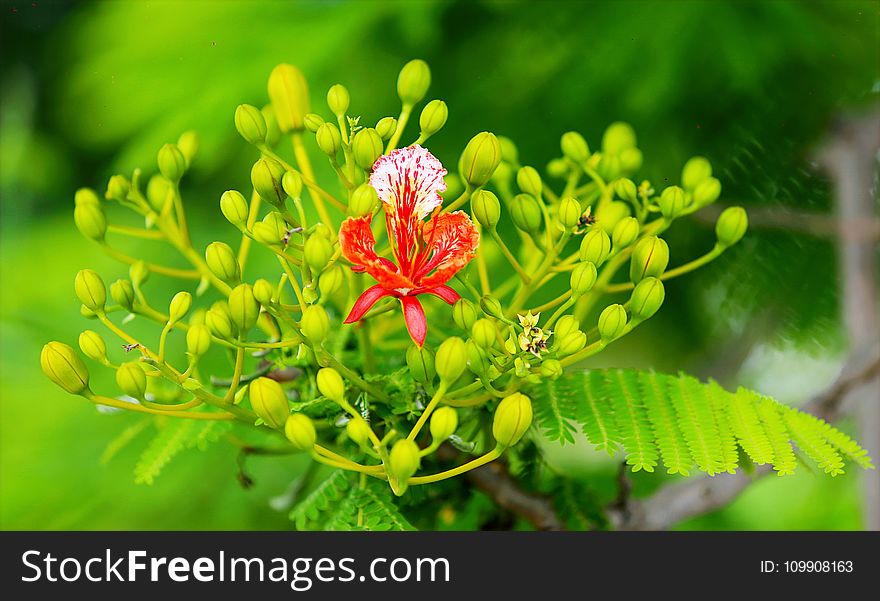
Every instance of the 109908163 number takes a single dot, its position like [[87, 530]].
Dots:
[[818, 566]]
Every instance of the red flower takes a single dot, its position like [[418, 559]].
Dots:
[[427, 253]]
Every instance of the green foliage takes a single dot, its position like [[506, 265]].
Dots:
[[173, 437], [687, 423]]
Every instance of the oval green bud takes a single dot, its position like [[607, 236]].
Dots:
[[420, 362], [223, 262], [609, 214], [551, 368], [626, 189], [618, 137], [90, 289], [451, 359], [266, 177], [330, 384], [480, 158], [558, 168], [646, 298], [484, 333], [609, 166], [234, 207], [464, 314], [366, 146], [625, 233], [243, 307], [695, 171], [139, 273], [509, 152], [433, 118], [707, 191], [188, 143], [565, 325], [403, 462], [731, 226], [269, 401], [574, 147], [363, 200], [630, 160], [649, 259], [271, 230], [529, 181], [358, 430], [93, 346], [486, 208], [300, 431], [525, 212], [595, 247], [329, 139], [220, 322], [317, 252], [273, 134], [312, 122], [491, 306], [570, 343], [86, 196], [289, 95], [512, 419], [90, 221], [132, 380], [117, 188], [122, 293], [583, 278], [64, 367], [197, 317], [263, 292], [292, 183], [477, 359], [413, 82], [569, 212], [251, 124], [198, 340], [158, 191], [386, 127], [172, 163], [612, 322], [315, 324], [179, 307], [444, 422], [338, 99], [672, 201]]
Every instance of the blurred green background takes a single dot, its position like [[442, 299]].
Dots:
[[91, 89]]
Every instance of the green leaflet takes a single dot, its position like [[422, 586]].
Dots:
[[684, 422], [173, 437]]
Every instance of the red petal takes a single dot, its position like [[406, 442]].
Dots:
[[359, 246], [365, 301], [414, 315], [444, 292], [454, 240]]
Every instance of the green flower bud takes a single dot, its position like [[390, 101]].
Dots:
[[630, 160], [695, 171], [609, 214], [509, 153], [707, 192], [421, 364], [139, 273], [609, 166], [484, 333], [413, 82], [300, 431], [565, 325], [266, 177], [569, 212], [358, 430], [223, 262], [646, 298], [612, 322], [570, 343], [595, 247], [583, 278], [132, 380], [574, 147], [269, 401], [366, 146], [480, 158], [649, 259], [731, 226], [451, 359], [198, 340], [243, 307], [251, 124], [403, 462], [338, 99], [273, 133], [90, 289], [558, 168], [117, 188], [197, 317], [172, 163], [618, 137], [363, 200], [626, 189], [312, 122], [433, 118], [93, 346], [672, 202], [444, 421], [263, 292], [179, 307], [529, 181], [329, 139], [386, 127], [551, 368], [315, 324], [122, 293], [188, 143], [86, 196], [503, 175], [477, 359], [513, 416], [625, 232], [289, 94], [330, 384], [317, 252], [486, 208], [220, 323], [90, 221], [234, 207], [271, 230], [491, 306], [525, 212], [464, 314], [331, 281], [292, 183], [158, 191], [64, 367]]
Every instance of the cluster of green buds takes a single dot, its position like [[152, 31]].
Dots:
[[366, 385]]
